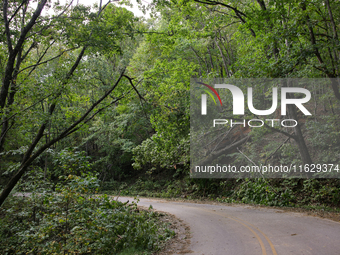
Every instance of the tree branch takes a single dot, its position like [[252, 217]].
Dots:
[[7, 31], [46, 61], [13, 52]]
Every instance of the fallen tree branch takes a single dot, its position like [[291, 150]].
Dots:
[[226, 150]]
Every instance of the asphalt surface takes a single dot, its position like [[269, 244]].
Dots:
[[246, 230]]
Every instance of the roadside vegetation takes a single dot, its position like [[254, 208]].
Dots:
[[95, 101], [316, 194], [75, 219]]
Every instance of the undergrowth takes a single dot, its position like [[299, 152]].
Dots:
[[72, 220], [314, 193]]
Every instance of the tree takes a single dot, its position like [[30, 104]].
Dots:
[[50, 51]]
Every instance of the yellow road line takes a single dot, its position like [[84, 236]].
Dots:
[[268, 240], [244, 224], [257, 236]]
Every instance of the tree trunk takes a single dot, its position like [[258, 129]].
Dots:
[[223, 58]]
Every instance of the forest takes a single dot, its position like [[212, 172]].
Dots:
[[95, 103]]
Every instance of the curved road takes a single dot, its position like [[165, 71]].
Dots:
[[245, 230]]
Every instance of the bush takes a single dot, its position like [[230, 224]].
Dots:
[[73, 220]]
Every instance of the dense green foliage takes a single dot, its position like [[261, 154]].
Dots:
[[94, 96], [73, 220], [314, 194]]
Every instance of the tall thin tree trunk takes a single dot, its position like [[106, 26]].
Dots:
[[223, 58]]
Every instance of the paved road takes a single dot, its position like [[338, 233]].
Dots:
[[245, 230]]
